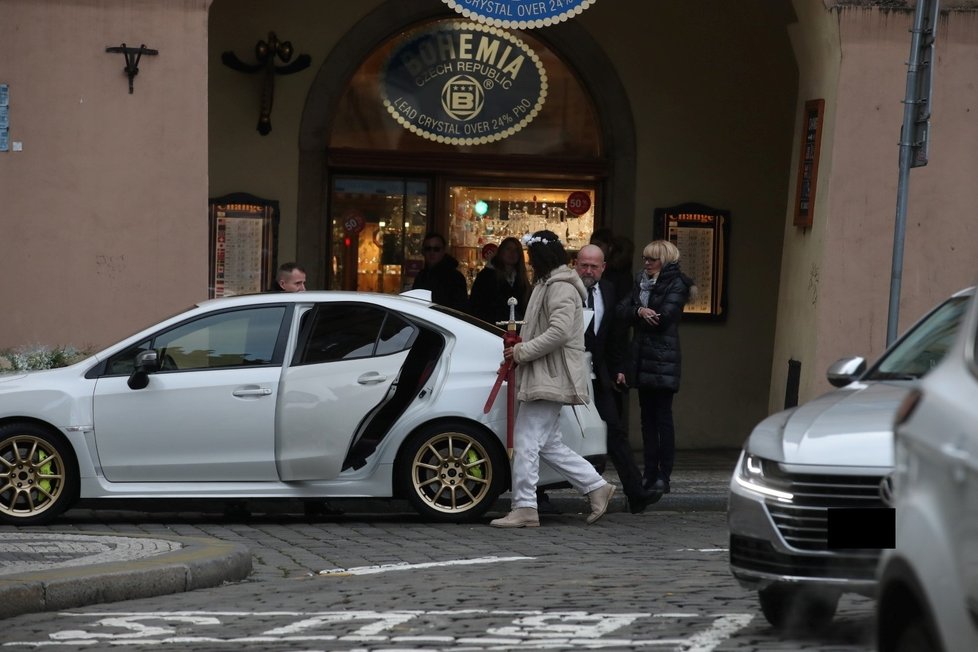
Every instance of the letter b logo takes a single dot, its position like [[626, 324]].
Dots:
[[462, 97]]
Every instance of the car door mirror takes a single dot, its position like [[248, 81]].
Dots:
[[844, 371], [146, 361]]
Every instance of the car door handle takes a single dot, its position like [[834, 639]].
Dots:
[[252, 391], [371, 378]]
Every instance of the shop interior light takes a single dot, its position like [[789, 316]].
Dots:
[[481, 207]]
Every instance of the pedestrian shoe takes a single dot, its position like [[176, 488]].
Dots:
[[638, 502], [544, 506], [600, 498], [519, 517], [661, 485]]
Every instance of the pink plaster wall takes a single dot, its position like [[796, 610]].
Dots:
[[940, 255], [103, 219]]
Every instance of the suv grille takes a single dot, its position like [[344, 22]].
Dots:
[[758, 555], [804, 522]]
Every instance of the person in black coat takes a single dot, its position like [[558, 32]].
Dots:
[[440, 274], [653, 310], [605, 340], [503, 277]]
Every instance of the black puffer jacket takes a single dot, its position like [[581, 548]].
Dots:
[[656, 361]]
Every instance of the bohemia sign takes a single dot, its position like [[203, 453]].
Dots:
[[463, 83], [519, 14]]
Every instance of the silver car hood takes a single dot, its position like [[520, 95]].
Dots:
[[851, 426]]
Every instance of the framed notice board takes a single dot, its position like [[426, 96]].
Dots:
[[811, 148], [243, 237], [702, 234]]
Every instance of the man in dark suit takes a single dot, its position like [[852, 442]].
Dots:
[[605, 340]]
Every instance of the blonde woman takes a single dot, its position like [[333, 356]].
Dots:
[[653, 309]]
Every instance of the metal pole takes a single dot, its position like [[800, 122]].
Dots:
[[906, 155]]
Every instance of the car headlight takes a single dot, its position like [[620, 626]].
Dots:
[[754, 473]]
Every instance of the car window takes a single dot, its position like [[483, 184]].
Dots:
[[469, 319], [228, 339], [924, 346], [396, 335], [349, 331]]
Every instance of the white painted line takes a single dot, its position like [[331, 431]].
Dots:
[[719, 631], [525, 630], [703, 550], [400, 566]]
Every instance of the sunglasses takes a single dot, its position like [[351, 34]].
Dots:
[[430, 249]]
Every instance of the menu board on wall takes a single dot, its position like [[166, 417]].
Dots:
[[701, 234], [243, 230]]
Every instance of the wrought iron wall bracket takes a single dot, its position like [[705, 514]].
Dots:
[[132, 59]]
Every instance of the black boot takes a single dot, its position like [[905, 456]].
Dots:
[[638, 502]]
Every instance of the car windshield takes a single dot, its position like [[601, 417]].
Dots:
[[920, 349]]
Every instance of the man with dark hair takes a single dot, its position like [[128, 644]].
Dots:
[[440, 274], [291, 277], [550, 373]]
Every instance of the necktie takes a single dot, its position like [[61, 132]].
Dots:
[[590, 304]]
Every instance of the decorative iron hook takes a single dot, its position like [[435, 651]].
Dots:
[[132, 59], [265, 53]]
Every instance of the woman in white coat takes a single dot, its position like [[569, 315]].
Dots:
[[550, 373]]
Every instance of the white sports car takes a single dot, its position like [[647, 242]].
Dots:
[[304, 396]]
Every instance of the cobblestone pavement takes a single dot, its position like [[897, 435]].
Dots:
[[22, 552], [656, 581]]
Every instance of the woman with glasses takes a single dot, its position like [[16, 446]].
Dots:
[[653, 309], [504, 276], [440, 274]]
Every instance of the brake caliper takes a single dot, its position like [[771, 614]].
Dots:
[[474, 471], [44, 469]]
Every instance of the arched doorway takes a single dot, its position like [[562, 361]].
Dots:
[[427, 185]]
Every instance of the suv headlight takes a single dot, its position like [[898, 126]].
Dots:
[[752, 477]]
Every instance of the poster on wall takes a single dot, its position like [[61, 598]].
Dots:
[[519, 14], [243, 230], [701, 234], [463, 83]]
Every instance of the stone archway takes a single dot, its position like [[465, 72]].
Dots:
[[574, 43]]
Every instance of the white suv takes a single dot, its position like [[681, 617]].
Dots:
[[830, 453], [928, 584]]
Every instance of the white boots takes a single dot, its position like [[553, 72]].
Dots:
[[600, 498], [519, 517], [527, 516]]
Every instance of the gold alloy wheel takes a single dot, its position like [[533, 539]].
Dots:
[[32, 476], [452, 472]]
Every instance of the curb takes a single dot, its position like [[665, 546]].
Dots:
[[572, 503], [200, 563]]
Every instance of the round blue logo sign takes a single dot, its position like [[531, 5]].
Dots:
[[463, 83], [519, 14]]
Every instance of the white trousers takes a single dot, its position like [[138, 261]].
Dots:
[[537, 437]]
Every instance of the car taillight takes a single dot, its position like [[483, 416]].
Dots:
[[907, 406]]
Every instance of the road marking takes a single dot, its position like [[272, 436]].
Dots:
[[531, 630], [722, 628], [401, 566], [703, 550]]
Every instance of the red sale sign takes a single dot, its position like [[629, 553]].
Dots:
[[353, 222], [578, 202]]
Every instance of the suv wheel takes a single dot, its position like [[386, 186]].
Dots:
[[793, 608]]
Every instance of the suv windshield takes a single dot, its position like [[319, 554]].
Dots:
[[923, 346]]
